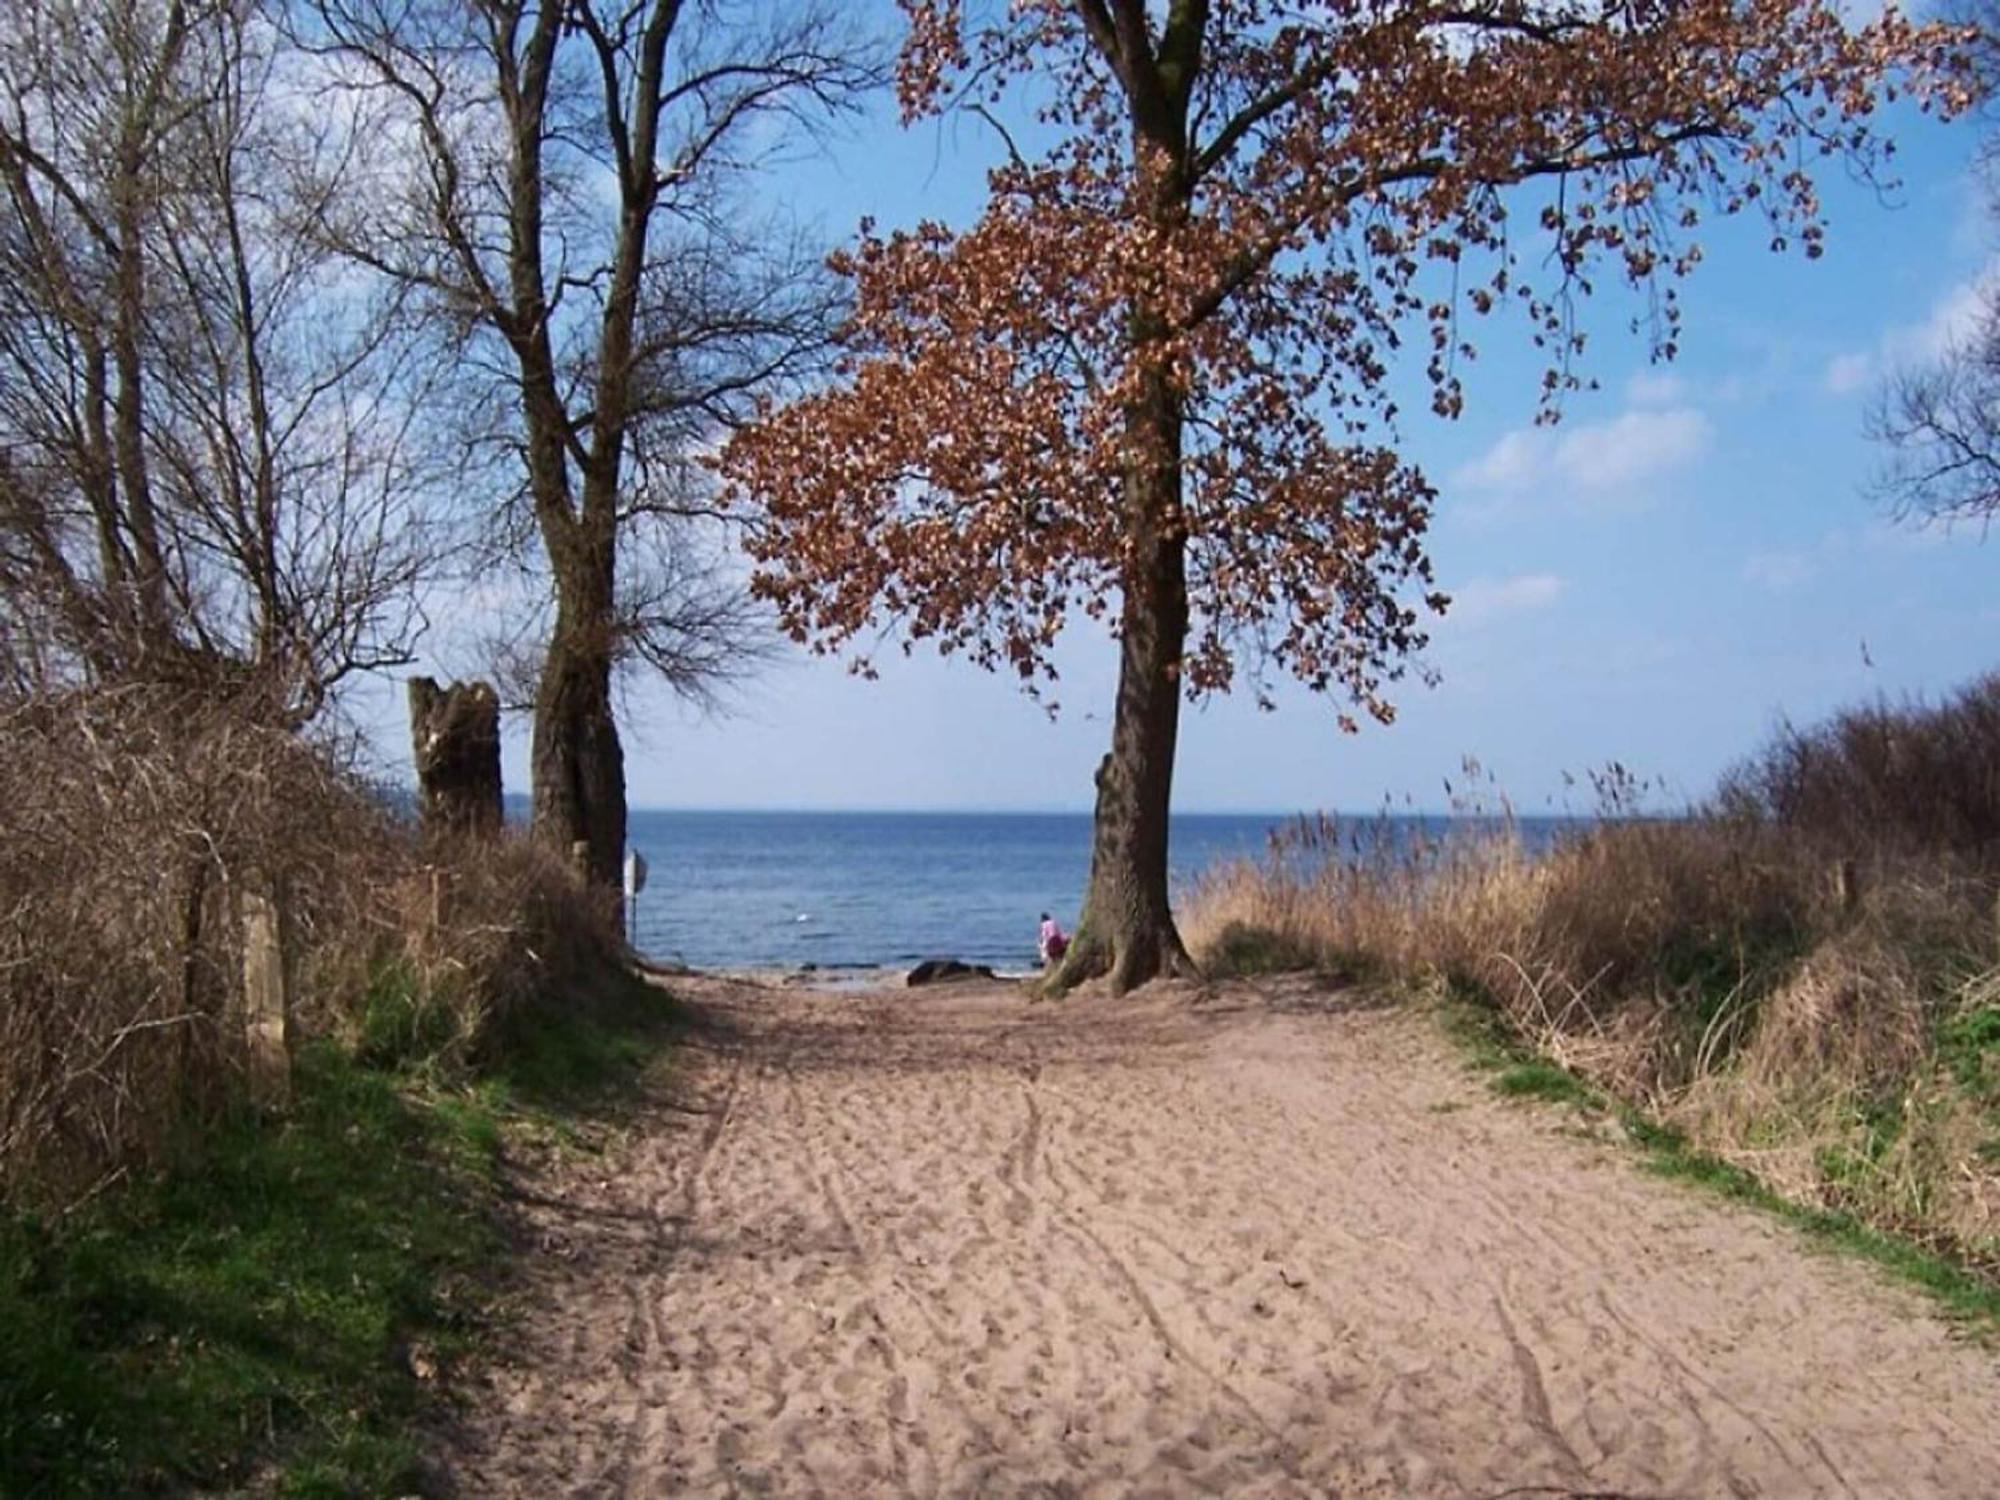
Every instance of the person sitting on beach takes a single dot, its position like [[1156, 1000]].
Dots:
[[1053, 944]]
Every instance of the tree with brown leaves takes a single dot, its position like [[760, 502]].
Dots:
[[1153, 381]]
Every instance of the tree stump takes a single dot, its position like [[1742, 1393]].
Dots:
[[455, 733]]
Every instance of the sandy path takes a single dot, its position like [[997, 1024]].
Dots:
[[934, 1244]]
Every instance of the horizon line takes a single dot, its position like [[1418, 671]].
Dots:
[[1080, 812]]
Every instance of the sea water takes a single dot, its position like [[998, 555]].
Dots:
[[840, 890]]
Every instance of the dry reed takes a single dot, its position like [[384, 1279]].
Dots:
[[1803, 974]]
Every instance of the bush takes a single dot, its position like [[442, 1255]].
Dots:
[[1883, 780], [195, 1297], [140, 819]]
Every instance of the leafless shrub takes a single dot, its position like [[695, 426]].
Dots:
[[138, 818], [1884, 779]]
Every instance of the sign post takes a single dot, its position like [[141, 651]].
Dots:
[[635, 882]]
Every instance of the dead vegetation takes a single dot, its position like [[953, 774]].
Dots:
[[1803, 975], [137, 820]]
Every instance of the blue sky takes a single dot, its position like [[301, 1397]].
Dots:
[[1688, 557]]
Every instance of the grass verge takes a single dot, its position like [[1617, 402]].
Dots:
[[264, 1315], [1966, 1297]]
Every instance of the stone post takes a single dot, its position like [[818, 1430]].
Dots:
[[1847, 886], [266, 1001]]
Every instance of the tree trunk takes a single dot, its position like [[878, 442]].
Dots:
[[1126, 929], [577, 763], [455, 733]]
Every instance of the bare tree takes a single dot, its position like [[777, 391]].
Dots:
[[1941, 425], [207, 465], [565, 183], [1939, 420]]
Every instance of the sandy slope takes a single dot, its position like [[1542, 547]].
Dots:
[[1275, 1244]]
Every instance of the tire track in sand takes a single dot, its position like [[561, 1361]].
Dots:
[[960, 1245], [1068, 1188]]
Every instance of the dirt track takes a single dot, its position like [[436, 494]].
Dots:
[[1276, 1244]]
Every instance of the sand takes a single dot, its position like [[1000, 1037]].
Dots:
[[1271, 1243]]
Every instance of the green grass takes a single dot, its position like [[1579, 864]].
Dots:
[[250, 1318], [1969, 1045], [403, 1027], [1539, 1079], [1963, 1294], [588, 1061], [1241, 949], [249, 1306], [1245, 950]]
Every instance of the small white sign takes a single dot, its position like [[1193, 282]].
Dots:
[[635, 872]]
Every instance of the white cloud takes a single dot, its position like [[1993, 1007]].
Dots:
[[1952, 320], [1972, 225], [1632, 448], [1754, 386], [1510, 464], [1656, 388], [1485, 598], [1777, 571], [1887, 535], [1592, 459], [1846, 373]]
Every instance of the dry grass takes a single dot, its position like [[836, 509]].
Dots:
[[137, 821], [1804, 975]]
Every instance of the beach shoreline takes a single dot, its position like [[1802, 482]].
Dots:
[[834, 979]]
